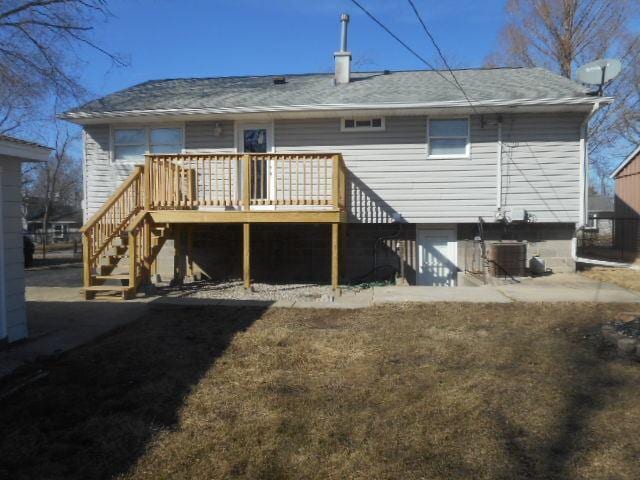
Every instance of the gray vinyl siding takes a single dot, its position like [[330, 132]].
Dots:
[[541, 165], [13, 256], [390, 175], [102, 176], [199, 137]]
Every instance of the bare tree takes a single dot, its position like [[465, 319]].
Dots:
[[564, 34], [39, 54], [56, 183]]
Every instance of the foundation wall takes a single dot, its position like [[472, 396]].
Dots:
[[302, 252], [549, 241]]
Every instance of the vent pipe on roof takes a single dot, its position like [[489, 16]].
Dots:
[[343, 57]]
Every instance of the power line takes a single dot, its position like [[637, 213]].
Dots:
[[401, 42], [455, 81], [444, 60]]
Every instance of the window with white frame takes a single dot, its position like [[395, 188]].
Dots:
[[130, 144], [359, 124], [448, 137]]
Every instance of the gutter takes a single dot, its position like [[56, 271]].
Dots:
[[499, 170], [342, 107]]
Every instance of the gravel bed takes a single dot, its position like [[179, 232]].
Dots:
[[259, 291]]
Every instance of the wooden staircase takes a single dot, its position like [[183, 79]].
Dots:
[[121, 242]]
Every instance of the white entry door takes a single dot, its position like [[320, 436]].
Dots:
[[437, 252], [257, 138]]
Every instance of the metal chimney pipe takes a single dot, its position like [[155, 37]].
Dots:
[[344, 20]]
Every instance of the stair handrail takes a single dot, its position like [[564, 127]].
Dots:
[[111, 220]]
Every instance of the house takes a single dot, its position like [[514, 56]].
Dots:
[[627, 204], [344, 177], [600, 212], [63, 227], [13, 322]]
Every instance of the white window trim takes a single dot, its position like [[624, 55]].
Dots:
[[147, 128], [382, 126], [467, 153]]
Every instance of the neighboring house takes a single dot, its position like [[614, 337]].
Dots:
[[601, 213], [341, 176], [627, 203], [13, 322], [62, 227]]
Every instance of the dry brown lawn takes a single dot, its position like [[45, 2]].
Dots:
[[439, 391], [623, 277]]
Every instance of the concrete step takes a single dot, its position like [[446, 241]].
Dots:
[[114, 276], [106, 288]]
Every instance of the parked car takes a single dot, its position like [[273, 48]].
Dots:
[[29, 248]]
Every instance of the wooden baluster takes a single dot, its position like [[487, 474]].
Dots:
[[223, 180], [246, 175], [304, 180], [254, 171], [282, 172], [290, 173], [297, 180], [217, 182]]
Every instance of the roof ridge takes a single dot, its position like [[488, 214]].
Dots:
[[314, 74]]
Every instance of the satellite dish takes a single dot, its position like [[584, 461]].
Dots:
[[599, 72]]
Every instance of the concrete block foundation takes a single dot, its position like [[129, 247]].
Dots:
[[301, 253]]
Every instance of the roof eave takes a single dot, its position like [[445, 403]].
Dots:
[[26, 152], [625, 162], [82, 117]]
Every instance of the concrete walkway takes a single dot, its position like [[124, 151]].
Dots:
[[555, 288], [59, 319]]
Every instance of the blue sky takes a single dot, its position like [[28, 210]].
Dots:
[[194, 38]]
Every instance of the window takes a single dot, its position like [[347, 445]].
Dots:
[[359, 124], [448, 137], [130, 144]]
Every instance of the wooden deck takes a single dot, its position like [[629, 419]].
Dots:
[[211, 188]]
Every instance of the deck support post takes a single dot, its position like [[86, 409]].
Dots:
[[133, 259], [190, 250], [335, 255], [246, 254]]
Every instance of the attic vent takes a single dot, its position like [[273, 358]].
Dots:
[[279, 80], [386, 72]]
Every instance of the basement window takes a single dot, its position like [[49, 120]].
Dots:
[[362, 124], [448, 137]]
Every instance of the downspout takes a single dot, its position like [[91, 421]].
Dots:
[[499, 171], [584, 188]]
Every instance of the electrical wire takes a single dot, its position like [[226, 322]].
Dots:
[[442, 57], [401, 42], [453, 82]]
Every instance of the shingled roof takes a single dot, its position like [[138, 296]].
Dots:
[[260, 93]]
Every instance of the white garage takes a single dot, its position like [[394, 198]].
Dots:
[[13, 321]]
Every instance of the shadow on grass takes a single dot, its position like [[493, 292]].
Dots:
[[584, 396], [101, 404]]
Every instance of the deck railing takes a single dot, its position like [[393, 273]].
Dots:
[[188, 181], [181, 182]]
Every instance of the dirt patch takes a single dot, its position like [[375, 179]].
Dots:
[[623, 277], [438, 391]]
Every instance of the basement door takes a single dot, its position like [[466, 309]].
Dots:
[[437, 252]]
